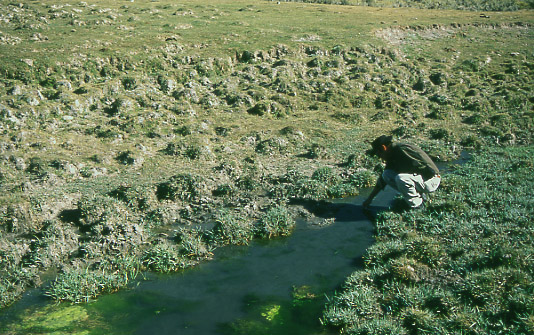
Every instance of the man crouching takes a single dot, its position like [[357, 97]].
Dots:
[[409, 170]]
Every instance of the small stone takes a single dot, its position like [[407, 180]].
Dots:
[[70, 168], [15, 90], [28, 61], [20, 164]]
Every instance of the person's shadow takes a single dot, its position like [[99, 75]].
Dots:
[[341, 212], [345, 212]]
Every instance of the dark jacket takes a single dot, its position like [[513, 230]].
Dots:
[[409, 158]]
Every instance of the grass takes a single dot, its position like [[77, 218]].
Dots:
[[233, 228], [165, 258], [460, 265], [476, 5], [82, 286], [276, 221], [125, 123]]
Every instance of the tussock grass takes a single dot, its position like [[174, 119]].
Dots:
[[276, 221], [233, 228], [165, 258]]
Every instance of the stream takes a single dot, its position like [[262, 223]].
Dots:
[[276, 286]]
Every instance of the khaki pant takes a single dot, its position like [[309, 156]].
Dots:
[[411, 185]]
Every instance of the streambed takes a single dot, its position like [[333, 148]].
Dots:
[[271, 286]]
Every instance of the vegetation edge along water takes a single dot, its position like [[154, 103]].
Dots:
[[178, 128]]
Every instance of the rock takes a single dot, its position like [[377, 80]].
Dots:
[[33, 101], [7, 115], [15, 90], [28, 61], [210, 100], [141, 147], [20, 164], [93, 172], [189, 93], [64, 84], [38, 37], [76, 106], [70, 168], [167, 85]]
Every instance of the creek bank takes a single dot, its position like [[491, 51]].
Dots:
[[276, 285], [459, 265], [273, 278]]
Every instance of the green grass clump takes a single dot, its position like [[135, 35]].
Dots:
[[193, 243], [14, 281], [276, 221], [452, 270], [180, 187], [165, 258], [78, 285], [325, 182], [361, 178], [377, 327], [233, 228]]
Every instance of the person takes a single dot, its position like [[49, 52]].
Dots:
[[409, 170]]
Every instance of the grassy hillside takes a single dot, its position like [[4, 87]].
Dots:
[[474, 5], [141, 135]]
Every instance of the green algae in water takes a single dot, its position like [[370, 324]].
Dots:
[[271, 312], [298, 315], [126, 312], [57, 319], [302, 293]]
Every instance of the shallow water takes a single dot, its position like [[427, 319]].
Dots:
[[244, 290]]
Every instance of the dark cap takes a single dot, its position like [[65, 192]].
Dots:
[[378, 142]]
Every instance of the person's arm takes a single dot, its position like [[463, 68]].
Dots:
[[379, 186]]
